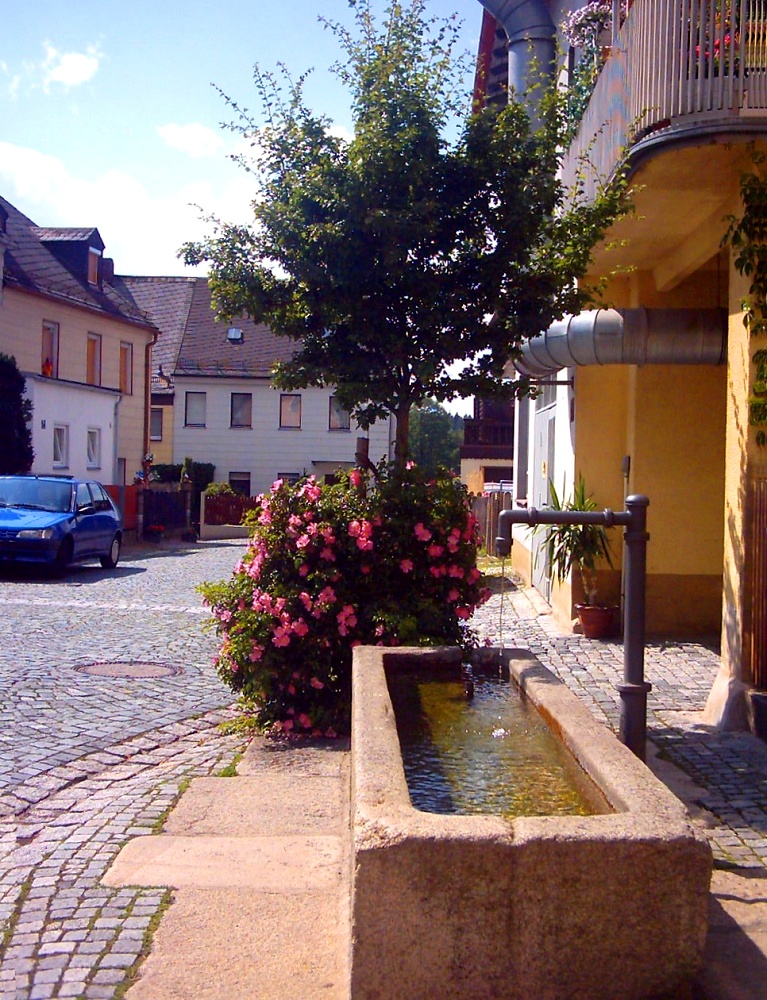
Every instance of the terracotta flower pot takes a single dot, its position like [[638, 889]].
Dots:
[[596, 620]]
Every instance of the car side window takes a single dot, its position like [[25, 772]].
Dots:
[[100, 497], [83, 496]]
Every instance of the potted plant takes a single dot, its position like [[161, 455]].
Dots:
[[580, 547]]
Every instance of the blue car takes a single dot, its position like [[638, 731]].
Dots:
[[57, 520]]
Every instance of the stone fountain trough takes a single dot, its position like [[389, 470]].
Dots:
[[447, 906]]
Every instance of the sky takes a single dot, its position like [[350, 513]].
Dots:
[[110, 114]]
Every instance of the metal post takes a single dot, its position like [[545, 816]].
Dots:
[[633, 691]]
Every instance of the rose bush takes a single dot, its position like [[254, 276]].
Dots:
[[330, 567]]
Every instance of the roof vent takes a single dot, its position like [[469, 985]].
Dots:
[[234, 335]]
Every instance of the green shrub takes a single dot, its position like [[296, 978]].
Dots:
[[331, 567], [220, 490]]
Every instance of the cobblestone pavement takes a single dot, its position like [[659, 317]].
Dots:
[[730, 768], [89, 759]]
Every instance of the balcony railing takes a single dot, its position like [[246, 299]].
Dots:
[[674, 65], [493, 432]]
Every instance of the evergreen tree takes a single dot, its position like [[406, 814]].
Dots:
[[16, 452]]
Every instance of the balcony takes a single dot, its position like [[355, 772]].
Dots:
[[483, 439], [677, 69]]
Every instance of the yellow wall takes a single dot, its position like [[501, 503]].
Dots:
[[163, 450], [21, 319]]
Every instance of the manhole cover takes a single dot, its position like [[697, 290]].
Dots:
[[130, 668]]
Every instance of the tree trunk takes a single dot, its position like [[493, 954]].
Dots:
[[401, 437]]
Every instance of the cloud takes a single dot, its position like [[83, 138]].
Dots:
[[142, 231], [197, 141], [70, 69], [13, 79]]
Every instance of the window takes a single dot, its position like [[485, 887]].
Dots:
[[83, 496], [291, 478], [93, 368], [339, 419], [240, 481], [546, 397], [60, 445], [194, 414], [101, 499], [290, 410], [155, 423], [93, 265], [126, 368], [93, 457], [49, 356], [242, 409]]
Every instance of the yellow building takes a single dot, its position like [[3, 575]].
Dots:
[[656, 390], [82, 345]]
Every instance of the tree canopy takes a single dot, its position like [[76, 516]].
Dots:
[[412, 246]]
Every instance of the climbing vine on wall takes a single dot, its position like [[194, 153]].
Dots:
[[747, 237]]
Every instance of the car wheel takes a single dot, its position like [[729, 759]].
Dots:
[[63, 557], [111, 560]]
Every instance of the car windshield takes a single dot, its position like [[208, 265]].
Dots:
[[36, 494]]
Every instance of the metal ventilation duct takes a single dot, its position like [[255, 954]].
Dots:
[[627, 337], [531, 33]]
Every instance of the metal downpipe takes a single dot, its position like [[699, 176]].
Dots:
[[531, 35], [627, 337]]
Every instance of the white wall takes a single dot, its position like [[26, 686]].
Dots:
[[265, 450], [78, 407]]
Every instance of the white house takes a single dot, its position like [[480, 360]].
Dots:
[[213, 396]]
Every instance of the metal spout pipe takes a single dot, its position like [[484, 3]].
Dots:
[[634, 688]]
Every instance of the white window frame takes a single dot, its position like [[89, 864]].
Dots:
[[93, 448], [60, 446], [154, 413], [52, 330], [202, 403]]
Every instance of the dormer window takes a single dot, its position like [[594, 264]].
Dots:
[[93, 266]]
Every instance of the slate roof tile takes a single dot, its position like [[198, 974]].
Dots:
[[192, 342], [31, 266]]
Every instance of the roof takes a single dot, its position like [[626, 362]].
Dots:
[[32, 266], [90, 235], [166, 301], [193, 342]]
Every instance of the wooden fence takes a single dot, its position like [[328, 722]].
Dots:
[[486, 509]]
